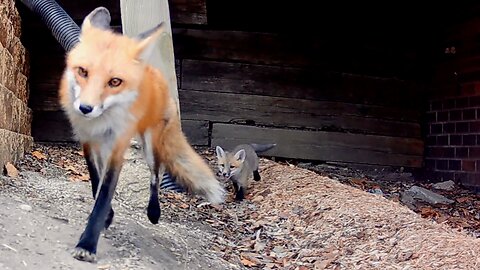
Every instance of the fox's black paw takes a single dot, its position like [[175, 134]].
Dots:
[[256, 176], [153, 212], [82, 254], [240, 195]]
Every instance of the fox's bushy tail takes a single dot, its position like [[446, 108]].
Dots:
[[262, 147], [189, 168]]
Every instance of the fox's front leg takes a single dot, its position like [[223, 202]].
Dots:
[[93, 172], [86, 247]]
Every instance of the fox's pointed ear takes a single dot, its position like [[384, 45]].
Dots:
[[146, 42], [220, 152], [98, 18], [240, 155]]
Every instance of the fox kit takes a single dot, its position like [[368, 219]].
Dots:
[[110, 94], [240, 164]]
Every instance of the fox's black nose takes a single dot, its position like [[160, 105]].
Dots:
[[224, 174], [85, 109]]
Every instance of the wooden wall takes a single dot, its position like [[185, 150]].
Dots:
[[324, 84]]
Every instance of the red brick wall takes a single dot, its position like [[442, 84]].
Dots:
[[453, 117], [453, 139]]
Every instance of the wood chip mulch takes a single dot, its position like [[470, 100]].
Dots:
[[297, 219]]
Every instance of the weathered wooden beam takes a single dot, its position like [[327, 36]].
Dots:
[[247, 47], [59, 130], [324, 146], [196, 131], [139, 16], [188, 11], [286, 112], [299, 83]]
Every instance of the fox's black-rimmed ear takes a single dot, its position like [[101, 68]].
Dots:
[[220, 152], [146, 41], [98, 18], [240, 155]]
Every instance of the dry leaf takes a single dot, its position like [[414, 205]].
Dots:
[[38, 155], [176, 196], [247, 262], [463, 199], [358, 182], [183, 205], [84, 177], [429, 212], [11, 170], [80, 153], [103, 267], [72, 169]]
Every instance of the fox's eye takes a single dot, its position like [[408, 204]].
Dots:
[[82, 72], [115, 82], [232, 167], [221, 165]]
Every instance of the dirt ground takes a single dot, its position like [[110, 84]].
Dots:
[[292, 219], [44, 211]]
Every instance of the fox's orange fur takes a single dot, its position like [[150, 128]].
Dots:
[[110, 95]]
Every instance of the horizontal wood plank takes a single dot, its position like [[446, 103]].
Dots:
[[196, 131], [45, 96], [299, 83], [188, 11], [248, 47], [272, 111], [59, 129], [324, 146], [351, 54]]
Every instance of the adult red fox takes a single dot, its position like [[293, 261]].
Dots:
[[110, 94]]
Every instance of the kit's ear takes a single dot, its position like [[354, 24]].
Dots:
[[220, 152], [240, 155]]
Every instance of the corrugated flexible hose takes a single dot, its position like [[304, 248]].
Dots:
[[63, 28]]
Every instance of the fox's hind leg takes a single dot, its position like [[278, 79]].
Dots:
[[156, 169], [256, 176], [95, 178]]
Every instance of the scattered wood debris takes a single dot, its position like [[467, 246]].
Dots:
[[297, 219]]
